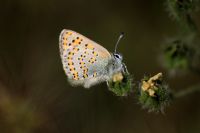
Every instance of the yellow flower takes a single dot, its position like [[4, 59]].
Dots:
[[117, 77], [150, 86]]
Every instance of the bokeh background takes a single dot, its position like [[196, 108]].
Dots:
[[35, 96]]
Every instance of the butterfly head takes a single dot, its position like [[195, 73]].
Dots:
[[117, 64], [118, 58]]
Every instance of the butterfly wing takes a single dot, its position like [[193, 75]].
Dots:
[[84, 61]]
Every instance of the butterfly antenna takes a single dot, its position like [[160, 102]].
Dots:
[[120, 37]]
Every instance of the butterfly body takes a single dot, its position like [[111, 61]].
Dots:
[[85, 62]]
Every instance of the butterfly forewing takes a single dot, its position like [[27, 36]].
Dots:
[[82, 58]]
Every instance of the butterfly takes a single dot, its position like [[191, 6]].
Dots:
[[85, 62]]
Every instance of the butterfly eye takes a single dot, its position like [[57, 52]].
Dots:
[[117, 56]]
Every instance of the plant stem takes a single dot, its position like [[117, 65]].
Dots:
[[187, 91]]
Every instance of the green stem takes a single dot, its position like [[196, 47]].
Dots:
[[187, 91]]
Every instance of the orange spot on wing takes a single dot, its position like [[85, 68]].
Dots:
[[92, 60], [69, 33], [76, 49], [65, 46], [75, 75], [65, 37], [103, 55], [94, 53], [77, 41], [90, 46], [95, 74]]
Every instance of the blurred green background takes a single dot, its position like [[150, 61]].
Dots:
[[34, 93]]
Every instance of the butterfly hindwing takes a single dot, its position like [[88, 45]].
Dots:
[[84, 61]]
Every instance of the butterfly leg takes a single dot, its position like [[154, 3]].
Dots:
[[125, 70]]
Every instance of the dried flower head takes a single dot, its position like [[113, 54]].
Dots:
[[180, 11], [150, 85], [117, 77], [120, 84], [153, 94], [178, 55]]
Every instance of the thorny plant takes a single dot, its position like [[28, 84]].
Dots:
[[180, 54]]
